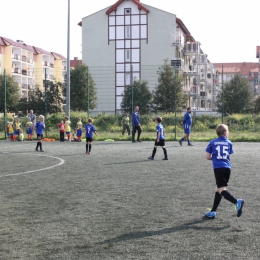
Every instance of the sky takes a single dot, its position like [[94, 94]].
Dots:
[[228, 30]]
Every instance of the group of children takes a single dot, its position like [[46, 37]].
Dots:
[[15, 132]]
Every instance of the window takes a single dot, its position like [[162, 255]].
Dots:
[[128, 11], [127, 55], [127, 32]]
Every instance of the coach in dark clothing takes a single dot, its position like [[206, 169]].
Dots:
[[136, 125]]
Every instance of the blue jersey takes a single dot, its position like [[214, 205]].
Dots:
[[39, 127], [135, 119], [187, 120], [159, 129], [220, 149], [90, 129]]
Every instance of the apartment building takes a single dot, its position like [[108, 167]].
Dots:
[[249, 70], [132, 40], [30, 65]]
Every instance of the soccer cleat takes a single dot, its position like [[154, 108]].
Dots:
[[190, 144], [180, 142], [239, 206], [41, 151], [36, 150], [151, 158], [165, 159], [139, 141], [134, 141], [210, 214]]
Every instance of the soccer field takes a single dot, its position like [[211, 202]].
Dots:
[[117, 204]]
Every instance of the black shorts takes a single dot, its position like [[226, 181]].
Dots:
[[88, 139], [160, 143], [222, 176], [39, 137]]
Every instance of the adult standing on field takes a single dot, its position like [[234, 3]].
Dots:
[[187, 122], [136, 125]]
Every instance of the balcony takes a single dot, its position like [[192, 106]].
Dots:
[[203, 94], [46, 63], [17, 70], [29, 73], [30, 86], [190, 70], [177, 64], [203, 59], [24, 72], [51, 65], [24, 86], [16, 56], [29, 60], [202, 76], [191, 48], [177, 40], [24, 58]]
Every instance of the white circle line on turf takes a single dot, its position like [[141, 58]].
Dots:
[[38, 170]]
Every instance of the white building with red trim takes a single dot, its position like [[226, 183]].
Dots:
[[132, 39]]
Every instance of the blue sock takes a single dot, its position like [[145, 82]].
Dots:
[[188, 141], [182, 140]]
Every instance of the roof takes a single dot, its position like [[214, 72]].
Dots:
[[36, 50], [184, 29], [257, 51], [73, 63], [137, 2]]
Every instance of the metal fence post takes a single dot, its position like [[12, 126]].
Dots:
[[5, 103]]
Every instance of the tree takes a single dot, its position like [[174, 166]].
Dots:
[[169, 90], [237, 96], [36, 100], [142, 97], [80, 80], [257, 105], [12, 93]]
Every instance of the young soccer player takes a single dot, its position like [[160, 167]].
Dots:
[[74, 136], [159, 141], [11, 129], [61, 127], [187, 122], [90, 129], [40, 126], [125, 123], [67, 127], [79, 129], [219, 151], [17, 127], [29, 129], [21, 135]]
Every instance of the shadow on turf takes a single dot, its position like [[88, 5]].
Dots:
[[185, 226], [127, 162]]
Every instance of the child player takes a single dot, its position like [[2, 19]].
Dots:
[[40, 126], [11, 129], [29, 129], [90, 129], [17, 127], [79, 129], [159, 141], [61, 127], [219, 151], [67, 127]]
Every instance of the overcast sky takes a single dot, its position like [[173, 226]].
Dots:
[[228, 30]]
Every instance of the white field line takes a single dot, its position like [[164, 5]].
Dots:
[[38, 170]]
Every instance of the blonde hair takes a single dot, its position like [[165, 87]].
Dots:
[[221, 129], [90, 120], [41, 116]]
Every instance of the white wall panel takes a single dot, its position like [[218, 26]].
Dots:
[[120, 44], [120, 91], [143, 31], [111, 20], [120, 32], [120, 67], [135, 55], [118, 102], [112, 33], [127, 44], [135, 44], [120, 56], [127, 19], [135, 19], [135, 32], [143, 19], [120, 79], [120, 20]]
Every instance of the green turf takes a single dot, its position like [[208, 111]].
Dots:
[[116, 204]]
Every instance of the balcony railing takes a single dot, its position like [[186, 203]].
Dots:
[[177, 64], [190, 70], [24, 86], [16, 57], [24, 72], [176, 39], [203, 59], [202, 76], [17, 70], [24, 58], [192, 48], [51, 65]]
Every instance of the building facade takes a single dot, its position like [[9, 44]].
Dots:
[[132, 40], [249, 70], [29, 65]]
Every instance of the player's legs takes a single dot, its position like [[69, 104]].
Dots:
[[39, 142], [123, 130], [139, 133], [164, 151], [128, 129], [154, 151], [133, 133]]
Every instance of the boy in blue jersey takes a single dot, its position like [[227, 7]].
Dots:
[[159, 141], [136, 125], [219, 151], [40, 126], [187, 122], [90, 129]]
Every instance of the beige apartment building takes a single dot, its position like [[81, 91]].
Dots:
[[29, 65]]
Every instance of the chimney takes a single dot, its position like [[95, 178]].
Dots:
[[19, 41], [76, 58]]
